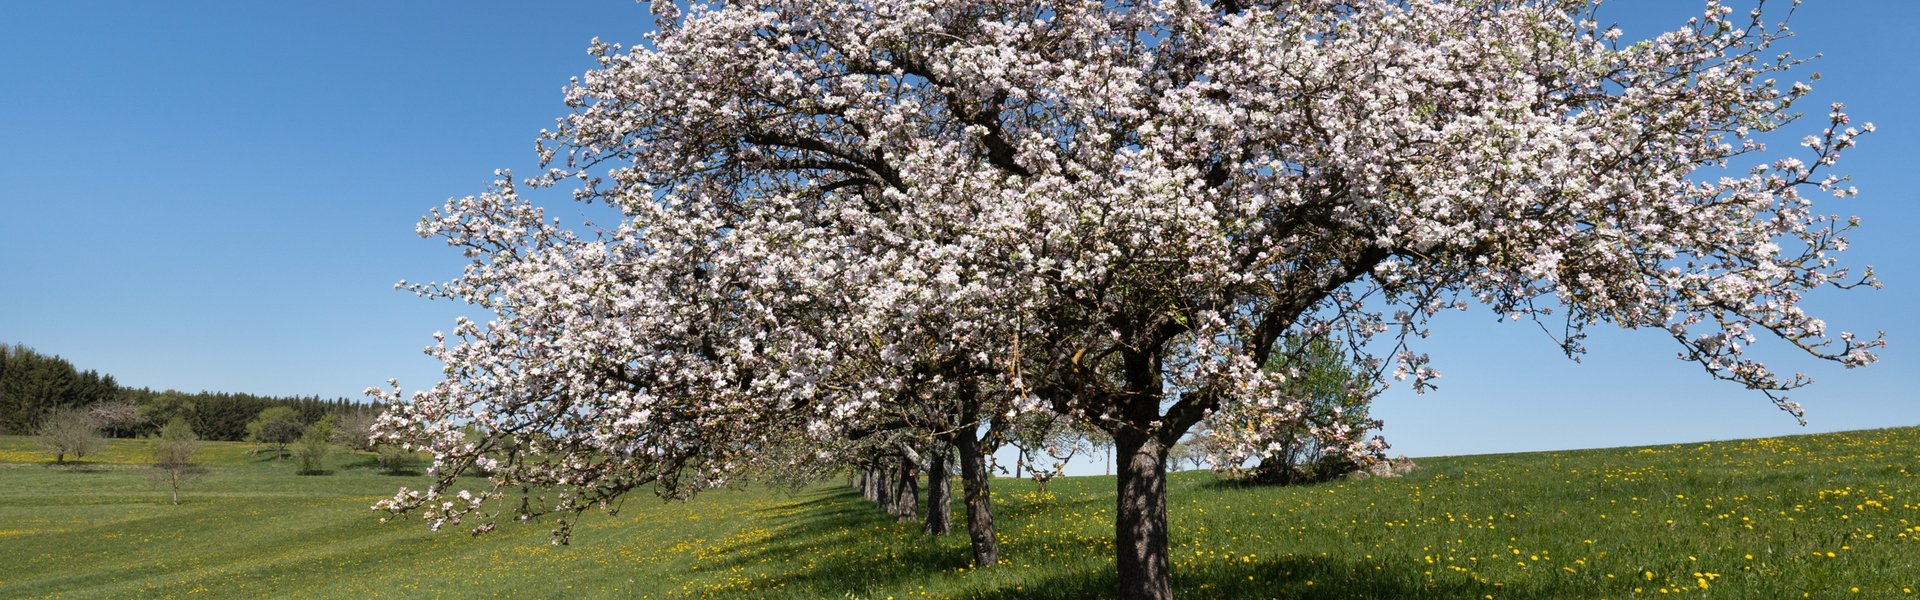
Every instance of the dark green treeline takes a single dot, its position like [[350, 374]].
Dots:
[[34, 384]]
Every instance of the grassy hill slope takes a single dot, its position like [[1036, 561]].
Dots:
[[1823, 516]]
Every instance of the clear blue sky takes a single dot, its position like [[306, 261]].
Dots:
[[220, 196]]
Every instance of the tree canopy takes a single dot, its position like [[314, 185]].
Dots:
[[838, 214]]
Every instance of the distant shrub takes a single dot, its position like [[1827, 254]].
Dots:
[[314, 447], [395, 460], [1331, 383]]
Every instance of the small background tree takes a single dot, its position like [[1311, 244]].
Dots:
[[118, 418], [315, 445], [1045, 442], [1099, 441], [353, 431], [1189, 453], [1334, 389], [173, 451], [276, 427], [69, 431]]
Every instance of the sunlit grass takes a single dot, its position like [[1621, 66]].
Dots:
[[1809, 516]]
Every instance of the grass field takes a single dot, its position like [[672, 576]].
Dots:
[[1821, 516]]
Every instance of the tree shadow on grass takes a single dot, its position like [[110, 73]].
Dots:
[[833, 499], [1012, 509], [1302, 578], [1249, 483], [372, 463], [828, 522], [834, 520], [77, 466]]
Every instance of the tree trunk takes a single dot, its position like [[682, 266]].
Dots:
[[906, 491], [973, 484], [890, 494], [939, 491], [1140, 521]]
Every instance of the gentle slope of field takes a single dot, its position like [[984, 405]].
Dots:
[[1833, 515]]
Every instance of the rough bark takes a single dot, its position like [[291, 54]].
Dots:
[[939, 491], [1140, 521], [973, 484], [906, 491]]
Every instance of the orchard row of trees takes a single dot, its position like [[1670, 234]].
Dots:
[[886, 465], [35, 387], [853, 233]]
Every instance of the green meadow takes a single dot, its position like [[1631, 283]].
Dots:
[[1816, 516]]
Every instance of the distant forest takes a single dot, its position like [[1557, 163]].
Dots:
[[32, 385]]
